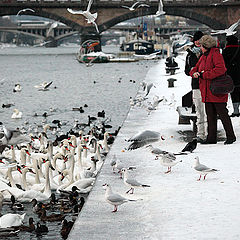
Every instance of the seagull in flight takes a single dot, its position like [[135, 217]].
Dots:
[[24, 10], [202, 169], [132, 8], [160, 9], [43, 86], [228, 31], [114, 198], [53, 25], [90, 17], [143, 138]]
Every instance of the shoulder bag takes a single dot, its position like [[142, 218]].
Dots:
[[222, 84]]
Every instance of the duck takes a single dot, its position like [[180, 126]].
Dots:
[[17, 88], [29, 228], [66, 228], [16, 114], [41, 228], [15, 205], [52, 217], [11, 220]]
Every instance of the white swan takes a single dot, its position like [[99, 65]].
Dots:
[[11, 220]]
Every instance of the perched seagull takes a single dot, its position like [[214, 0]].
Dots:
[[131, 182], [143, 138], [90, 17], [229, 31], [132, 8], [168, 160], [202, 169], [114, 198], [17, 88], [13, 137], [24, 10], [16, 114], [190, 146], [43, 86], [160, 9]]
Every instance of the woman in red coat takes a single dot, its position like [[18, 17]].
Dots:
[[210, 66]]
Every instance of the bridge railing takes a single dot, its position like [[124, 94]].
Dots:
[[112, 2]]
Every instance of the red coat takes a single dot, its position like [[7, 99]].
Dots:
[[213, 66]]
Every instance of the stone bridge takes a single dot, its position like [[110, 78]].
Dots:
[[213, 13]]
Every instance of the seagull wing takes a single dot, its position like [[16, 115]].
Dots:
[[133, 182], [145, 135], [143, 5], [29, 9], [218, 32], [89, 5], [46, 86], [96, 26], [125, 6], [74, 12], [233, 26], [134, 4]]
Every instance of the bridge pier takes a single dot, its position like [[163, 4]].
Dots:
[[92, 36]]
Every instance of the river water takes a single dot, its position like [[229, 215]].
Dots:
[[106, 86]]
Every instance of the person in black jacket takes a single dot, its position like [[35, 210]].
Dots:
[[231, 55], [193, 55]]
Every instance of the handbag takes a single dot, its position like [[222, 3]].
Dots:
[[222, 85]]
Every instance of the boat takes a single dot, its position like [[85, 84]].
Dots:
[[138, 46], [96, 57]]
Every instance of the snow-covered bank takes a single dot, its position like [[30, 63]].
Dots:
[[176, 206]]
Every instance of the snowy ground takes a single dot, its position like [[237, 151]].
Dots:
[[176, 206]]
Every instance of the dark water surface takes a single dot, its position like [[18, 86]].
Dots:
[[74, 85]]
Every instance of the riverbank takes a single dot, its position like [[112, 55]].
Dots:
[[176, 206]]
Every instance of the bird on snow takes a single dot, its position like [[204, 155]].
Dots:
[[202, 169], [190, 146], [114, 198]]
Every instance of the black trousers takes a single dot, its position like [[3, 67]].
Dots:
[[213, 110], [235, 95]]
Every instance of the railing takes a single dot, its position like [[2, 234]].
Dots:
[[113, 2]]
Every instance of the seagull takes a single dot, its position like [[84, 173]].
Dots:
[[143, 138], [43, 86], [90, 17], [148, 88], [16, 114], [190, 146], [53, 25], [160, 9], [130, 182], [132, 7], [114, 198], [143, 5], [202, 169], [13, 137], [229, 31], [24, 10], [168, 160], [17, 88]]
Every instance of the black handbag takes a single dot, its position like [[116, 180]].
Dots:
[[222, 85]]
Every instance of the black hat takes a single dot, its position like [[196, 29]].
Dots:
[[232, 40], [197, 35]]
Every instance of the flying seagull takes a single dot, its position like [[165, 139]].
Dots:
[[160, 9], [24, 10], [53, 25], [114, 198], [143, 138], [202, 169], [132, 8], [90, 17], [228, 31], [43, 86]]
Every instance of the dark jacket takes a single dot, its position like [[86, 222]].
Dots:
[[213, 65], [191, 61], [233, 67]]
